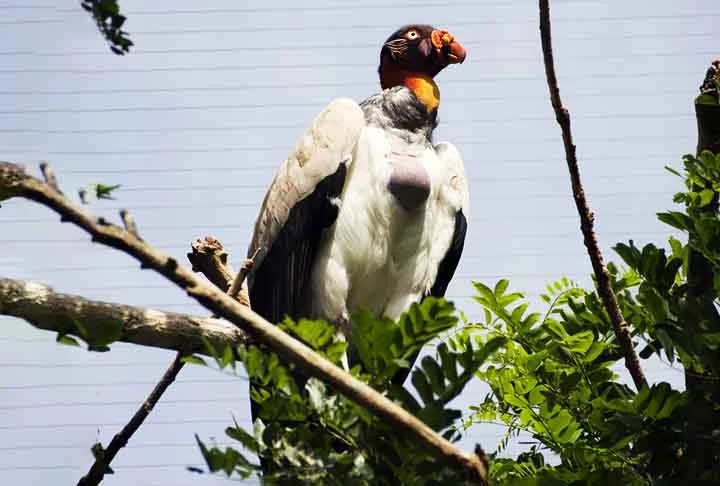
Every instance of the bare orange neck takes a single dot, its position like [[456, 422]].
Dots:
[[422, 85]]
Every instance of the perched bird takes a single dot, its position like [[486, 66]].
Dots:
[[366, 212]]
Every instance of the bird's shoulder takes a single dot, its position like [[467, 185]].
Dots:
[[327, 143], [450, 157]]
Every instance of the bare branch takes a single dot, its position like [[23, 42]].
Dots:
[[49, 176], [210, 258], [129, 222], [15, 183], [632, 363], [45, 309], [103, 458], [239, 282]]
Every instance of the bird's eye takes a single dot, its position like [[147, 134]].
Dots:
[[412, 34]]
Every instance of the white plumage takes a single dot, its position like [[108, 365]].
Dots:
[[376, 254]]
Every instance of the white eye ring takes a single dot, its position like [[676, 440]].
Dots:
[[412, 34]]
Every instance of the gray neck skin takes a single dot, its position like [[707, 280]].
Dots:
[[398, 107]]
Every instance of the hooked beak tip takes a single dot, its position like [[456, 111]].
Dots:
[[456, 53], [445, 43]]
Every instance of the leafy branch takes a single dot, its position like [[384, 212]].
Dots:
[[106, 14], [14, 182]]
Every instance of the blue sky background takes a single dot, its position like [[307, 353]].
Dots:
[[196, 120]]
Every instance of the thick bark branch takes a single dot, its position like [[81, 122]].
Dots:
[[702, 460], [622, 332], [50, 311], [14, 182]]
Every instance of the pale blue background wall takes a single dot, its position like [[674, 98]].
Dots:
[[195, 121]]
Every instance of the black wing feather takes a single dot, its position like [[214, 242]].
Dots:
[[281, 283], [449, 263]]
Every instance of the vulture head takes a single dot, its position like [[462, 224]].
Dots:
[[413, 55]]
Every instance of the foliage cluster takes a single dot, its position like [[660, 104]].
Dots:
[[109, 20], [552, 377]]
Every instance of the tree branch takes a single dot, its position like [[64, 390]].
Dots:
[[129, 222], [45, 309], [702, 317], [238, 284], [103, 457], [15, 183], [209, 257], [622, 332], [49, 176]]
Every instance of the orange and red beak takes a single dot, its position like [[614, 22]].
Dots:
[[447, 47]]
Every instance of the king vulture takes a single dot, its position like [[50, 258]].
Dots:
[[366, 212]]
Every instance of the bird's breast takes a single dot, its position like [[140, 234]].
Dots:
[[409, 181]]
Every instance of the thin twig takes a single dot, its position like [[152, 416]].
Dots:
[[242, 274], [49, 176], [14, 182], [129, 222], [622, 332], [104, 457]]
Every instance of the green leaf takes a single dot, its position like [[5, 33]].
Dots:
[[378, 342], [404, 397], [247, 440], [449, 362], [556, 328], [580, 342], [706, 99], [629, 253], [649, 350], [667, 344], [484, 290], [672, 402], [501, 287], [228, 358], [594, 351], [673, 171], [676, 220], [211, 349], [437, 417], [193, 359], [66, 340], [314, 333], [706, 197], [422, 386], [434, 373], [103, 191]]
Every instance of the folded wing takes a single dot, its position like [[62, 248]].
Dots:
[[300, 204]]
